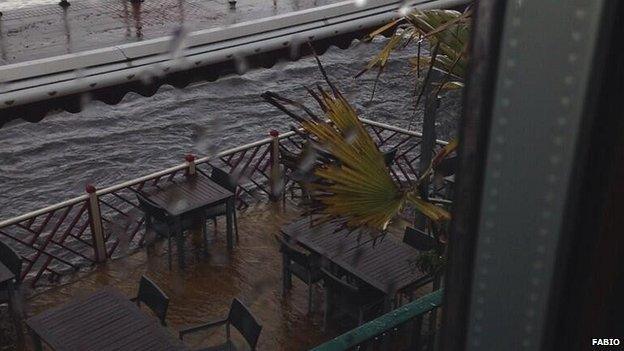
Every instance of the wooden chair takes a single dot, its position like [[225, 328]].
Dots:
[[422, 242], [302, 265], [300, 178], [225, 180], [158, 220], [152, 296], [342, 296], [418, 239], [13, 261], [389, 157], [240, 318]]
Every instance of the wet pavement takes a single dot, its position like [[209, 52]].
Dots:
[[204, 290], [45, 30]]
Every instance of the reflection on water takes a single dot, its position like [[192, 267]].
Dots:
[[136, 15], [67, 29], [7, 5]]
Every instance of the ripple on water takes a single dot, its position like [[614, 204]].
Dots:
[[51, 161]]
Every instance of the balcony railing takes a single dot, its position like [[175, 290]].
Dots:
[[107, 223], [400, 329]]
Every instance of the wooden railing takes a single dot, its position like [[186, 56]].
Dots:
[[107, 223], [400, 329]]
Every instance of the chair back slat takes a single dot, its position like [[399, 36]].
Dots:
[[151, 209], [154, 298], [389, 156], [336, 284], [418, 239], [223, 178], [241, 318], [290, 160], [294, 253], [12, 260]]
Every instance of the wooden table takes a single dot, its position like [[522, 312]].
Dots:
[[323, 239], [386, 263], [103, 320], [194, 193]]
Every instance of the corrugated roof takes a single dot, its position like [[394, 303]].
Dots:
[[33, 89]]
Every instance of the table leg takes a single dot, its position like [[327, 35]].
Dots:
[[387, 304], [228, 217], [179, 241], [37, 344], [16, 311]]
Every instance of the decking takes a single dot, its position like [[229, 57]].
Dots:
[[98, 239], [205, 288]]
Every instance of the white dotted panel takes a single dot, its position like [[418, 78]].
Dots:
[[545, 59]]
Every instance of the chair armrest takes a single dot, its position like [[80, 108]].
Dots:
[[200, 327]]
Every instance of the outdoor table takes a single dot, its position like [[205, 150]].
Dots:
[[385, 264], [323, 239], [194, 193], [103, 320]]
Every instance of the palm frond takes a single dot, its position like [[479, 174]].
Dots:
[[355, 186]]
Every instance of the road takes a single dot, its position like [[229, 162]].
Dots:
[[44, 29]]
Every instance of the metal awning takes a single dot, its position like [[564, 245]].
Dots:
[[30, 90]]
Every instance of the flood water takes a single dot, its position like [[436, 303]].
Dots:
[[47, 162]]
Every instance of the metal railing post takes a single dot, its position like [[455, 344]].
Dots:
[[275, 167], [95, 222], [190, 162]]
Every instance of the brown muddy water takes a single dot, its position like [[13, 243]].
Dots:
[[204, 290]]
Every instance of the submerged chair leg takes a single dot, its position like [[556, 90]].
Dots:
[[286, 275], [169, 249], [310, 297], [235, 223], [327, 308], [360, 316]]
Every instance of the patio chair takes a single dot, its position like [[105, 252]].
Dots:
[[291, 163], [225, 180], [13, 261], [240, 318], [389, 157], [158, 220], [300, 264], [422, 242], [418, 239], [153, 297], [341, 296]]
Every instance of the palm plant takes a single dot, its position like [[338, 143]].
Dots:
[[355, 185], [446, 32]]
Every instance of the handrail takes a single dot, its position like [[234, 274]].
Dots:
[[34, 81], [384, 323], [398, 129], [181, 166]]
